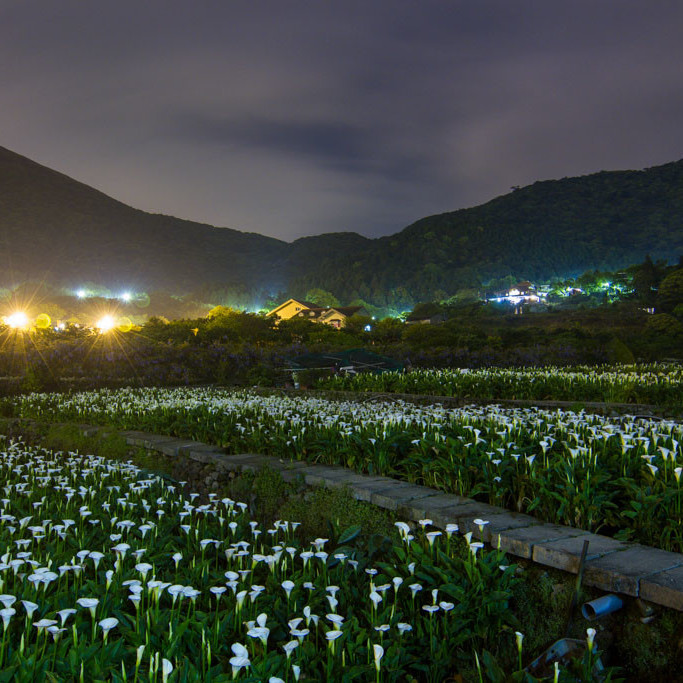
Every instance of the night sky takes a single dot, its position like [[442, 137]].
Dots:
[[297, 117]]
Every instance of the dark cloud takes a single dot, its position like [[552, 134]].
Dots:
[[294, 118], [334, 145]]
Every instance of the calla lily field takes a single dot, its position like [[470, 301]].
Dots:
[[110, 573], [618, 476], [655, 383]]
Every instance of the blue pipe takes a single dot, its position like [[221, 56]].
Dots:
[[601, 606]]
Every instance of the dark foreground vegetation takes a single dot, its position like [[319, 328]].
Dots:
[[232, 347], [533, 601]]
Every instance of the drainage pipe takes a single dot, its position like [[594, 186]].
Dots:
[[601, 606]]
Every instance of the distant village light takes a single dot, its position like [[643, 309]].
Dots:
[[126, 296], [17, 320], [105, 324], [81, 294]]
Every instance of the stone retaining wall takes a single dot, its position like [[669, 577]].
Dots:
[[613, 566]]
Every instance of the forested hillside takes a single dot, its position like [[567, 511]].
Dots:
[[549, 229], [57, 230]]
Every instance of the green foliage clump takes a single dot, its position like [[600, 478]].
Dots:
[[321, 507], [670, 293], [618, 352], [665, 324]]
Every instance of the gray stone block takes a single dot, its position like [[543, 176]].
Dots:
[[565, 554], [367, 486], [174, 447], [400, 495], [665, 588], [205, 457], [428, 508], [252, 463], [134, 438], [621, 572], [521, 541], [89, 430], [151, 442], [498, 519], [463, 513], [319, 475]]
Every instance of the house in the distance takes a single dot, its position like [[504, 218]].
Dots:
[[338, 315], [523, 293], [292, 307], [426, 319], [330, 315]]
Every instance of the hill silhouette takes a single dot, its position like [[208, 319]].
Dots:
[[59, 230]]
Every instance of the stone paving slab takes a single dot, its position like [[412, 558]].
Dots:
[[521, 541], [134, 438], [245, 461], [206, 457], [175, 447], [428, 508], [621, 572], [319, 475], [665, 588], [364, 490], [462, 513], [652, 574], [392, 498], [498, 522], [565, 554]]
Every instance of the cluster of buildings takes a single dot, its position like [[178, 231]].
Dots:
[[517, 296], [336, 316]]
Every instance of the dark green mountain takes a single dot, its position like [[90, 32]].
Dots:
[[56, 229], [550, 229]]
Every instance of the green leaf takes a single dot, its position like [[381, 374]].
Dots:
[[349, 534]]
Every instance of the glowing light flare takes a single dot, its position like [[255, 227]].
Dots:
[[126, 296], [81, 294], [105, 324], [17, 320]]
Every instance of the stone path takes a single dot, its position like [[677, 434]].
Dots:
[[613, 566]]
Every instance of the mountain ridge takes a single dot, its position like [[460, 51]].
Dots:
[[61, 230]]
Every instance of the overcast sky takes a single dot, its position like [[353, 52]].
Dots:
[[297, 117]]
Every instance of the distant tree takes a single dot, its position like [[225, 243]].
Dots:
[[274, 300], [425, 310], [369, 308], [664, 324], [321, 297], [670, 293], [463, 297], [645, 281], [220, 312], [388, 330], [356, 324]]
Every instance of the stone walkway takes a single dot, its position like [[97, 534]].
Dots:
[[613, 566]]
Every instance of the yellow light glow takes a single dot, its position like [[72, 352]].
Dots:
[[43, 321], [17, 320], [105, 323], [124, 324]]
